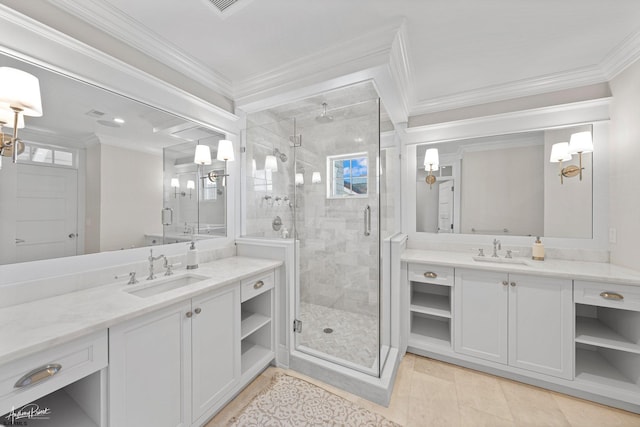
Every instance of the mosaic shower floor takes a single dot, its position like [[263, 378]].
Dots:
[[354, 336]]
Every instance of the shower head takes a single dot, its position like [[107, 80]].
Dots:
[[324, 117], [280, 155]]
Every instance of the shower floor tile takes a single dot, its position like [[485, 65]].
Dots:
[[354, 336]]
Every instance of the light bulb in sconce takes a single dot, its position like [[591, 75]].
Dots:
[[254, 168], [431, 163], [559, 154], [225, 151], [202, 155], [175, 184], [191, 185], [270, 163], [299, 179], [316, 178]]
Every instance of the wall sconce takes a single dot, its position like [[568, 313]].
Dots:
[[316, 178], [19, 92], [175, 184], [6, 119], [226, 154], [271, 164], [202, 155], [580, 142], [559, 154], [432, 161], [299, 180]]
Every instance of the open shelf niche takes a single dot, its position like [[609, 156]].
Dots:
[[430, 307]]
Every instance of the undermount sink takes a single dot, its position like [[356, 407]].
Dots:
[[501, 260], [164, 285]]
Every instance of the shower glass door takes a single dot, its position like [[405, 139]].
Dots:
[[336, 157]]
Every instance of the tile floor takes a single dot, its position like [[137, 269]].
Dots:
[[432, 393], [354, 337]]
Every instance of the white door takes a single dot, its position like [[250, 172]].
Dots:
[[481, 300], [46, 213], [541, 325], [215, 349], [445, 207], [150, 370]]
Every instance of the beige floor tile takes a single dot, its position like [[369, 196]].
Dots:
[[433, 402], [532, 406], [481, 392], [434, 368], [471, 417], [581, 413]]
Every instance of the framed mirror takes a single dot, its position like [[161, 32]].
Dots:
[[506, 185], [92, 175]]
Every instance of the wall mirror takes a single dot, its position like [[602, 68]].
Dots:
[[507, 185], [93, 176]]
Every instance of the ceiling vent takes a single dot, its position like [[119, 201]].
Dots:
[[224, 8], [95, 114], [223, 5]]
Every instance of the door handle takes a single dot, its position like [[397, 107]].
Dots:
[[72, 235], [367, 220]]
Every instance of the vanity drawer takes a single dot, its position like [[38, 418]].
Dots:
[[76, 359], [427, 273], [256, 285], [606, 295]]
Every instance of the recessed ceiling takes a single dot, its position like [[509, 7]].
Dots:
[[453, 47]]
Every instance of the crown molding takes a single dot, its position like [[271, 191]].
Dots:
[[29, 40], [118, 24], [518, 121], [401, 69], [621, 57], [526, 87]]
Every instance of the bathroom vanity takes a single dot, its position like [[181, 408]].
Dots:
[[168, 351], [569, 326]]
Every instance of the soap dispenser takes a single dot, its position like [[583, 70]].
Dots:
[[192, 256], [537, 251]]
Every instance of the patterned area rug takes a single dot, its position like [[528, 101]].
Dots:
[[290, 401]]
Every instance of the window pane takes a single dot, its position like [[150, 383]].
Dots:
[[63, 158], [41, 155]]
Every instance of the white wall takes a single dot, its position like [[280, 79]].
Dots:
[[131, 197], [92, 200], [625, 167], [8, 197]]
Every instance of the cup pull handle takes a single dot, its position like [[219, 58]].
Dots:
[[38, 374], [612, 296], [430, 275], [258, 284]]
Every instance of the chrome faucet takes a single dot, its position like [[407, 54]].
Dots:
[[151, 259], [496, 247]]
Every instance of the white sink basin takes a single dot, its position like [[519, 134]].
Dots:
[[150, 288], [501, 260]]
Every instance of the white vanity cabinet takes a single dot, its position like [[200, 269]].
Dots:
[[170, 368], [520, 320]]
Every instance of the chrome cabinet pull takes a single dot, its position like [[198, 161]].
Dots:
[[189, 314], [505, 283], [38, 374], [198, 310], [612, 296], [430, 275], [258, 284]]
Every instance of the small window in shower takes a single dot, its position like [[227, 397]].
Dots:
[[348, 175]]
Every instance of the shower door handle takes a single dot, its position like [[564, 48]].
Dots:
[[367, 220]]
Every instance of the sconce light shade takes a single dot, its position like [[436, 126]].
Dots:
[[191, 185], [431, 159], [225, 150], [175, 183], [299, 179], [581, 142], [20, 90], [560, 152], [270, 163], [7, 116], [316, 178], [203, 155]]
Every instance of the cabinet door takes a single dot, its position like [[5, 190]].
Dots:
[[148, 359], [216, 348], [541, 325], [480, 314]]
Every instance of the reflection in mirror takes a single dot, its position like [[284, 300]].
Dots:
[[91, 176], [507, 185]]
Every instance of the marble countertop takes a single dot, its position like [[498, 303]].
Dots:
[[576, 270], [35, 326]]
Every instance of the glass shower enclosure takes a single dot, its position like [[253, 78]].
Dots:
[[313, 174]]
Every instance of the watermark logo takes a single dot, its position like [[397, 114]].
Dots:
[[19, 417]]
